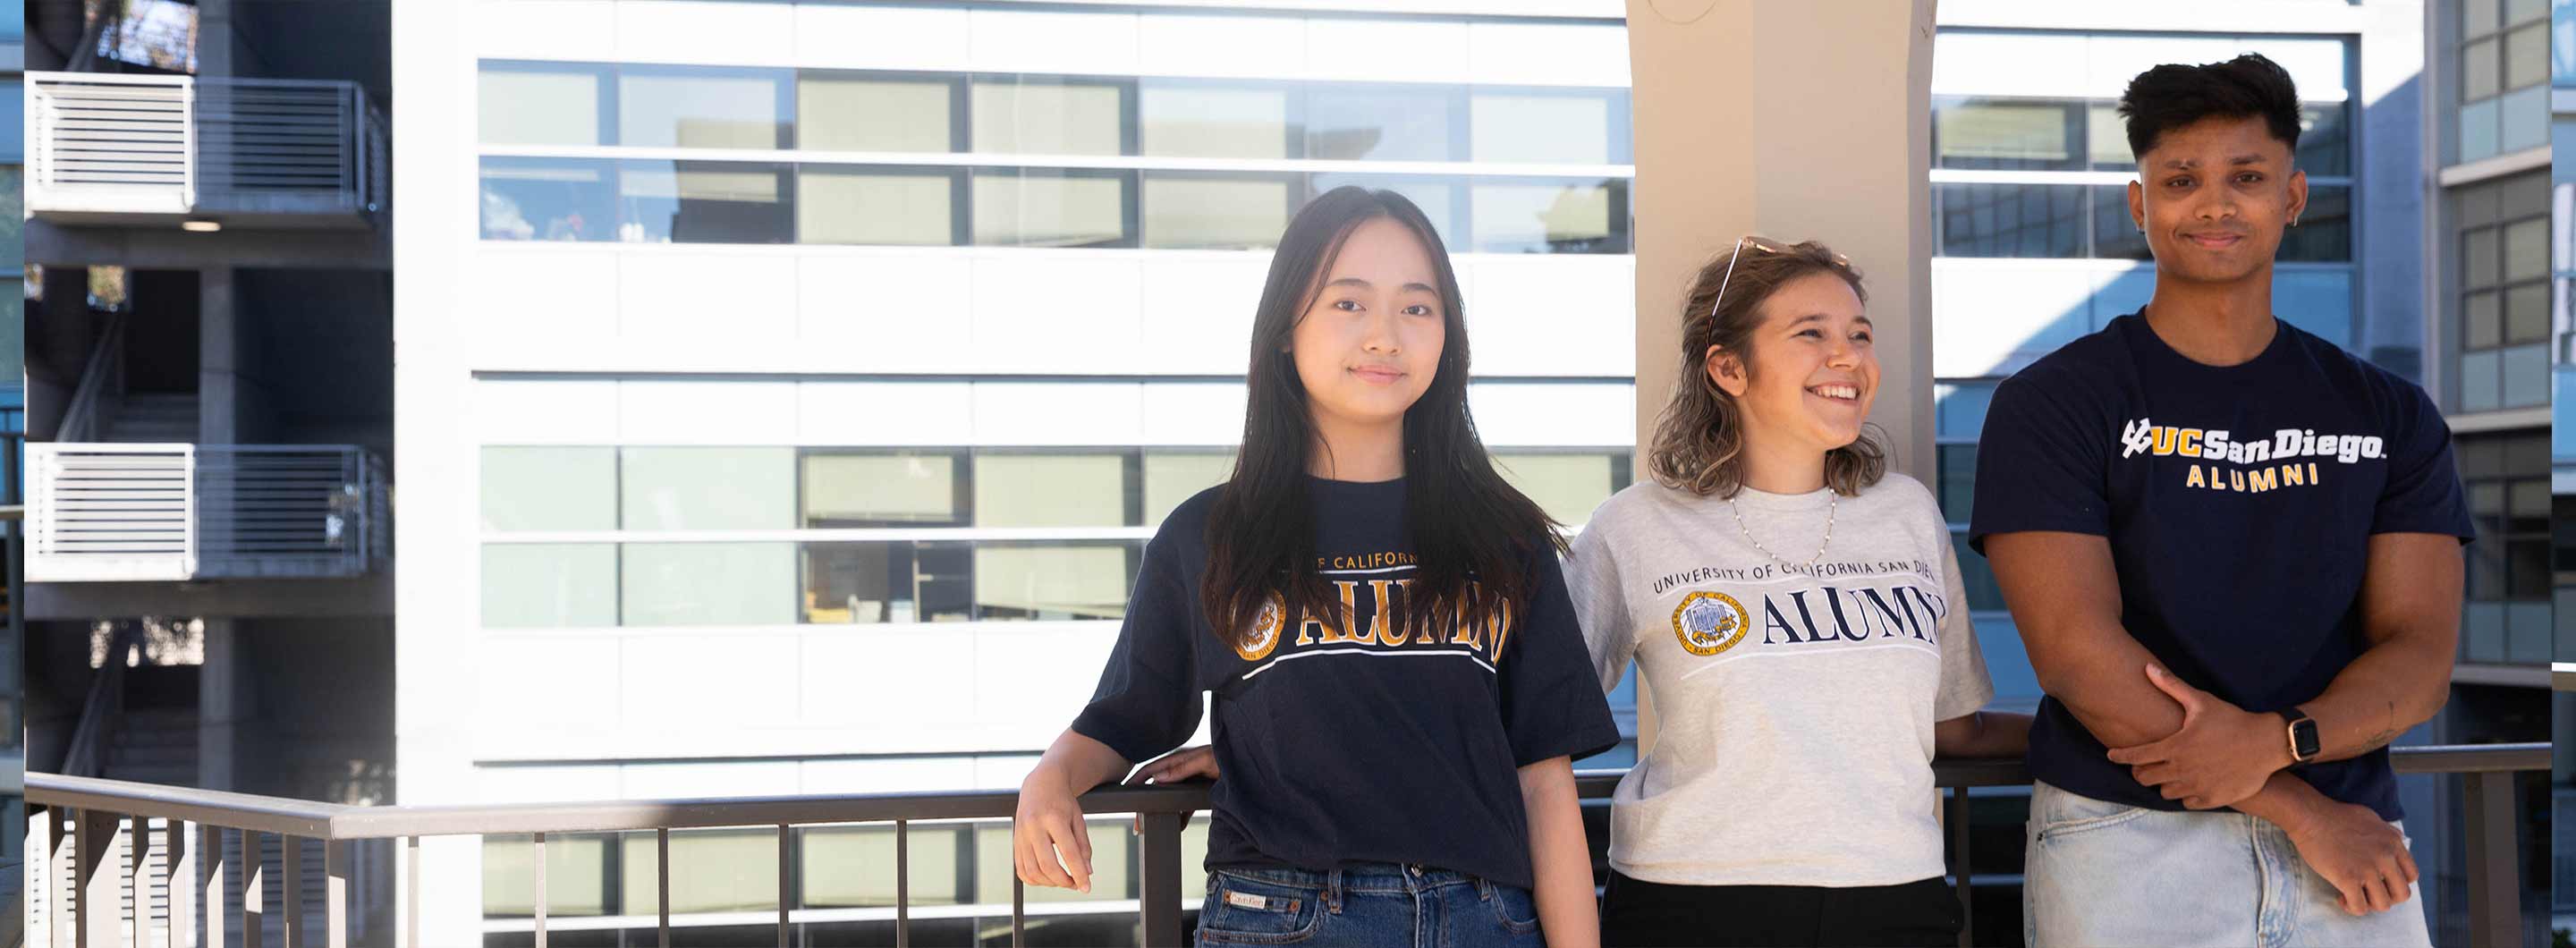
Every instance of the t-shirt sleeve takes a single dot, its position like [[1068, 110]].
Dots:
[[1148, 699], [2039, 462], [2423, 493], [1965, 686], [1601, 605], [1552, 704]]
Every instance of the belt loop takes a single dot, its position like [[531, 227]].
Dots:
[[1484, 889], [1333, 891]]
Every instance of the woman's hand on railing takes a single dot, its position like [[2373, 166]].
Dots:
[[1049, 844]]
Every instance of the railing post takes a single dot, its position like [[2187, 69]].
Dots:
[[291, 849], [38, 847], [138, 857], [2495, 910], [180, 881], [1955, 813], [254, 907], [541, 890], [210, 879], [786, 881], [94, 878], [662, 883], [1158, 886], [335, 891], [902, 884]]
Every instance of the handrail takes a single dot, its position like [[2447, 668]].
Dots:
[[86, 754], [90, 404], [99, 810]]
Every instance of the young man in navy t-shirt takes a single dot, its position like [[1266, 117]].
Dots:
[[2233, 550]]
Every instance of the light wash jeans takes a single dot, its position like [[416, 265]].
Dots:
[[2111, 875]]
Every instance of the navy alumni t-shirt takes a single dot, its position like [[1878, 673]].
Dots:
[[1352, 738], [2238, 501]]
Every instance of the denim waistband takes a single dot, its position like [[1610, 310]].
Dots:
[[1364, 878]]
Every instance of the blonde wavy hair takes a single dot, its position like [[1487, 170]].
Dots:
[[1699, 435]]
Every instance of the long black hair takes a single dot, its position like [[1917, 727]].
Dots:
[[1463, 520]]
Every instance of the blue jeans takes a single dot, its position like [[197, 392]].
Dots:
[[2108, 874], [1366, 905]]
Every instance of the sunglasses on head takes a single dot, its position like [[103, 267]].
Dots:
[[1764, 244]]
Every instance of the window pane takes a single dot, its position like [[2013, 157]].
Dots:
[[2479, 262], [883, 489], [1188, 212], [1173, 476], [1540, 129], [892, 581], [708, 488], [846, 205], [702, 110], [1047, 117], [2325, 144], [2526, 313], [2529, 506], [854, 866], [2007, 134], [705, 202], [2478, 130], [2106, 138], [725, 870], [2526, 56], [1979, 578], [2525, 11], [1566, 486], [2526, 376], [13, 228], [1052, 581], [2523, 119], [1378, 124], [1049, 209], [2115, 237], [2481, 321], [547, 200], [1186, 121], [549, 585], [708, 583], [2324, 233], [1958, 489], [2478, 70], [2011, 220], [1437, 197], [549, 488], [576, 875], [2478, 17], [1568, 217], [848, 113], [1959, 408], [2480, 380], [538, 108], [2526, 249], [1052, 490]]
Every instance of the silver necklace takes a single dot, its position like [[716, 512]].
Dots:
[[1832, 500]]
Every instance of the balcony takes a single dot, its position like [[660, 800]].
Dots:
[[103, 512], [113, 149], [113, 862]]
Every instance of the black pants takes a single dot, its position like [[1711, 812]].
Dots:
[[1640, 914]]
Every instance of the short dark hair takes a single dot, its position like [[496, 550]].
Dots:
[[2174, 95]]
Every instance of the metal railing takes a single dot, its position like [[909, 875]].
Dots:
[[113, 511], [77, 885], [108, 143]]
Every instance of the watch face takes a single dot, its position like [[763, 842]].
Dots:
[[2303, 738]]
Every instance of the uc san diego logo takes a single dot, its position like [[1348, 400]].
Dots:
[[1710, 622], [1265, 630]]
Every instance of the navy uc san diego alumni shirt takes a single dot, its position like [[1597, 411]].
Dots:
[[1352, 738], [2238, 501]]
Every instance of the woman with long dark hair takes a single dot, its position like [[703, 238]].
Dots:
[[1399, 685], [1799, 614]]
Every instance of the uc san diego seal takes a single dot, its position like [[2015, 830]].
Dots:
[[1265, 630], [1710, 622]]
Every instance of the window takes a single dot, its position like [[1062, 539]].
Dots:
[[1030, 207], [706, 583], [1571, 216], [547, 199], [549, 585], [2507, 617], [2011, 220], [890, 581], [2017, 134], [1055, 490], [549, 488], [1038, 116], [1580, 128], [1192, 211], [538, 104], [1174, 475], [866, 112], [1054, 581], [1394, 123], [2503, 77], [850, 488], [707, 488], [705, 202], [2503, 308], [1183, 119], [671, 107], [877, 204], [1566, 485]]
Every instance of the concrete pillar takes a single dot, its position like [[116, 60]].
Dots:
[[223, 706], [219, 356], [1795, 121]]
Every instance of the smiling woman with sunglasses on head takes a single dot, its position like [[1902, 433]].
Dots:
[[1399, 683], [1798, 615]]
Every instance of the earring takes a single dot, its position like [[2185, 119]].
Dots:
[[2294, 222]]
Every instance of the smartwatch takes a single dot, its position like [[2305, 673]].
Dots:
[[2303, 734]]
